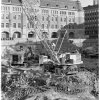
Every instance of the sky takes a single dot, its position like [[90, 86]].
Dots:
[[86, 2]]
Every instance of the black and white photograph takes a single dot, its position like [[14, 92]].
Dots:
[[49, 49]]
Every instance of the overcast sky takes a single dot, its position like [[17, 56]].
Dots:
[[86, 2]]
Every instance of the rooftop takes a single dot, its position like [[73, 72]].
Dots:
[[91, 7], [65, 4]]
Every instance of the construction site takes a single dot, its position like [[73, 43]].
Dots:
[[46, 69]]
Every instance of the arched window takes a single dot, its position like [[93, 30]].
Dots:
[[44, 35], [5, 35], [17, 35], [71, 35], [54, 35], [31, 34]]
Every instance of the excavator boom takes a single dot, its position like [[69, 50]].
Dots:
[[27, 6]]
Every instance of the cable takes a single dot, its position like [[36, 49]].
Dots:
[[56, 42], [29, 19], [39, 22], [38, 35], [62, 42]]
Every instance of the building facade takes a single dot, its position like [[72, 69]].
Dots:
[[95, 2], [92, 21], [52, 15]]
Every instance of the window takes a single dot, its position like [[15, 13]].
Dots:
[[21, 47], [52, 18], [73, 19], [56, 26], [35, 18], [71, 35], [2, 25], [14, 25], [54, 35], [73, 7], [6, 8], [2, 16], [14, 17], [44, 35], [64, 19], [20, 9], [7, 16], [43, 26], [61, 20], [16, 9], [57, 5], [47, 26], [69, 13], [47, 18], [69, 19], [52, 26], [43, 18], [7, 24], [66, 7], [19, 17], [31, 34], [13, 8], [19, 25], [47, 4], [56, 19]]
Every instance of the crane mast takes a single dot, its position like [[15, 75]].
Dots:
[[32, 16]]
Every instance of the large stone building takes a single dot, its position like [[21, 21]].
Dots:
[[52, 14], [92, 21], [95, 2]]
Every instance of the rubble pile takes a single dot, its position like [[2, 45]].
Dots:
[[23, 87], [21, 82]]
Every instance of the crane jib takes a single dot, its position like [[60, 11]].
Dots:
[[25, 5]]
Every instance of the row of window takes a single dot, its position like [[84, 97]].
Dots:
[[7, 16], [90, 28], [71, 13], [48, 26], [8, 8], [56, 12], [91, 14], [17, 9], [54, 19], [32, 10], [91, 11], [5, 8], [30, 25], [56, 26], [71, 20], [63, 12], [45, 11], [8, 25], [91, 19], [17, 17]]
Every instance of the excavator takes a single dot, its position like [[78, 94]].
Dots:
[[33, 17], [30, 58]]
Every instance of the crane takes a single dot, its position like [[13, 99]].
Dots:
[[27, 6]]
